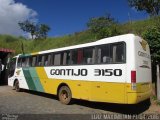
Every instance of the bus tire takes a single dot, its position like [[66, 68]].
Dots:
[[65, 95], [16, 86]]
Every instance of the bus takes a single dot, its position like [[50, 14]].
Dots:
[[113, 70]]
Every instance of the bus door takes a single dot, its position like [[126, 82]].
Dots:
[[12, 67]]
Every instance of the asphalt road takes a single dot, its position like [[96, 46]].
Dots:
[[29, 102]]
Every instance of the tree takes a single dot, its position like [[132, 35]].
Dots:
[[104, 26], [152, 35], [42, 31], [28, 26], [152, 7], [39, 31]]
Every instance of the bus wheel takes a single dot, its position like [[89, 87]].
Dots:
[[16, 86], [65, 95]]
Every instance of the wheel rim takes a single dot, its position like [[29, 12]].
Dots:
[[64, 96]]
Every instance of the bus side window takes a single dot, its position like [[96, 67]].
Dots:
[[61, 58], [74, 56], [66, 57], [120, 56], [46, 59], [80, 56], [118, 52], [49, 59], [113, 51], [33, 61], [88, 56], [30, 61], [19, 62], [52, 58], [94, 56], [39, 62], [23, 62], [104, 54], [43, 60], [57, 59], [27, 62], [99, 55]]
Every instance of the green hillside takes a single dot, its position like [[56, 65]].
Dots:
[[136, 27], [44, 44]]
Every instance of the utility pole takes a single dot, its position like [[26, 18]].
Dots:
[[22, 47], [158, 83]]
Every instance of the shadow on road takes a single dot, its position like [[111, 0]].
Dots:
[[118, 108], [112, 107], [40, 94]]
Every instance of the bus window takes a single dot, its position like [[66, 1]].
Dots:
[[12, 66], [61, 58], [74, 55], [57, 59], [113, 53], [43, 59], [23, 62], [27, 62], [33, 61], [99, 56], [118, 53], [39, 62], [52, 59], [80, 56], [104, 54], [94, 56], [120, 56], [47, 59], [30, 61], [88, 56], [19, 64], [66, 57]]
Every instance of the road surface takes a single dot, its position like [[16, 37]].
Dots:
[[29, 102]]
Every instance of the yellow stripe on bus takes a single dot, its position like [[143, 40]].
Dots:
[[48, 85]]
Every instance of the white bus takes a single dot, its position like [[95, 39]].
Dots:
[[114, 70]]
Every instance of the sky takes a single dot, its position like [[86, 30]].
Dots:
[[63, 16]]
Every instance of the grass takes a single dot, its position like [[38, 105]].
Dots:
[[136, 27], [44, 44], [155, 100]]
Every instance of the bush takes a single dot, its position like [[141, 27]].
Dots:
[[152, 35]]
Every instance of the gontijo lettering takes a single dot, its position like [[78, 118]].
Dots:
[[84, 72], [69, 72]]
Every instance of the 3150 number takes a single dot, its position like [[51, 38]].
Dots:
[[108, 72]]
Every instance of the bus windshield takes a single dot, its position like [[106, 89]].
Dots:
[[12, 66]]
